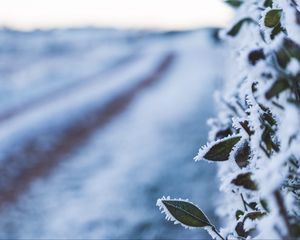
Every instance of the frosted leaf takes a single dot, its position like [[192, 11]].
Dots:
[[183, 212], [219, 150], [259, 105], [272, 18]]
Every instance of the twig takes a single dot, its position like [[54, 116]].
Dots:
[[244, 202], [283, 212], [213, 228]]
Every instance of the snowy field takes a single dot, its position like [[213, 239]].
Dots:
[[95, 125]]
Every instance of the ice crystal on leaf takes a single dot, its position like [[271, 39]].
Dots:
[[256, 134]]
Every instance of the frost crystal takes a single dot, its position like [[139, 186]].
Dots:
[[256, 133]]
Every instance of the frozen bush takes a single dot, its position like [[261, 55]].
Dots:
[[255, 140]]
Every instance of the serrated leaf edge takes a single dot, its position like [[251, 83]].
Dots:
[[205, 148], [163, 209]]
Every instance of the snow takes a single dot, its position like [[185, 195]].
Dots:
[[21, 67], [244, 99], [293, 67], [108, 186], [70, 104]]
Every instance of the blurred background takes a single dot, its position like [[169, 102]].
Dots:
[[103, 105]]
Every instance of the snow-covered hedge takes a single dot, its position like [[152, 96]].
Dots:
[[256, 137]]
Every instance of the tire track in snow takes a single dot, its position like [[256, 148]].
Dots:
[[43, 160], [29, 104]]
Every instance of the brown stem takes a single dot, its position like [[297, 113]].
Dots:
[[216, 232], [283, 212], [244, 202]]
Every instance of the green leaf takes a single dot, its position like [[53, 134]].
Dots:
[[253, 205], [276, 30], [272, 18], [238, 214], [288, 50], [267, 138], [234, 3], [268, 3], [256, 55], [246, 127], [184, 212], [240, 230], [264, 205], [283, 57], [279, 86], [295, 227], [222, 149], [242, 155], [244, 180], [237, 27], [254, 215], [267, 116], [223, 133]]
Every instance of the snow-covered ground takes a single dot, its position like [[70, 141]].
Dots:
[[95, 125]]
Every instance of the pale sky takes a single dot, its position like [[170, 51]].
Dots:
[[172, 14]]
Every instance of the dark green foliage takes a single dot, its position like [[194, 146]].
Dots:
[[245, 125], [242, 154], [240, 225], [267, 138], [237, 27], [276, 30], [254, 215], [253, 205], [238, 214], [223, 133], [279, 86], [296, 229], [244, 180], [256, 55], [186, 213], [240, 230], [264, 205], [268, 3], [234, 3], [273, 88], [288, 50], [221, 150], [267, 116], [272, 18]]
